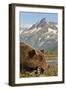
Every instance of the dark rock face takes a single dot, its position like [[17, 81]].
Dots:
[[31, 59]]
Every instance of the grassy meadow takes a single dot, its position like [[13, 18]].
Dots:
[[51, 71]]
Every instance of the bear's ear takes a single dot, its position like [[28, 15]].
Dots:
[[31, 53]]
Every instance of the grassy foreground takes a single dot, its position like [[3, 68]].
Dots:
[[51, 71]]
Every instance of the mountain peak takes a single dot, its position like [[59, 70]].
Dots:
[[40, 24], [43, 20], [41, 35]]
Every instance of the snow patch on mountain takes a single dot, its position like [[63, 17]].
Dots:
[[41, 35]]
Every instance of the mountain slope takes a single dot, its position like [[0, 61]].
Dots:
[[42, 35]]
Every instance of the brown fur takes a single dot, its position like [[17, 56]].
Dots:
[[32, 58]]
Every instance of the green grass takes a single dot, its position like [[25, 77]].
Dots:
[[51, 56], [51, 71]]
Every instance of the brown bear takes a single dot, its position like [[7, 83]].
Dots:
[[31, 58]]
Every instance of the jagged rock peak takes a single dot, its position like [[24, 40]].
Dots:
[[43, 20]]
